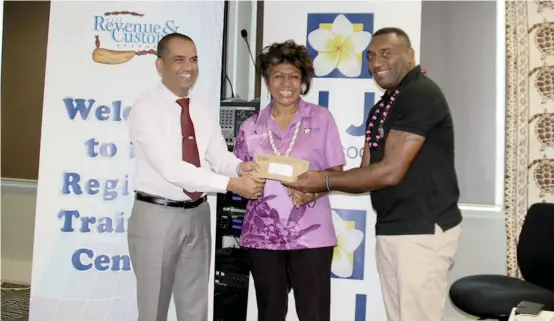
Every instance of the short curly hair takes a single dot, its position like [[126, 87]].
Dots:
[[286, 52]]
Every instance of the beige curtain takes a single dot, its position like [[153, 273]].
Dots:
[[530, 114]]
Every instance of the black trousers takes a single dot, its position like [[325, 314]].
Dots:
[[306, 272]]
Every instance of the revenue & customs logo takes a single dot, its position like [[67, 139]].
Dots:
[[128, 35]]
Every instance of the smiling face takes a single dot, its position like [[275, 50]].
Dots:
[[285, 84], [178, 67], [390, 58]]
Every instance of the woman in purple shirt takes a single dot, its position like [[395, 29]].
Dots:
[[290, 234]]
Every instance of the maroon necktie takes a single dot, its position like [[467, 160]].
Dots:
[[190, 149]]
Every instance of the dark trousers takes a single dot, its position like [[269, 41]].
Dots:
[[306, 272]]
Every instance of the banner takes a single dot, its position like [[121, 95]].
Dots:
[[81, 267], [347, 89]]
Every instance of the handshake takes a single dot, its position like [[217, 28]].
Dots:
[[247, 185], [251, 187]]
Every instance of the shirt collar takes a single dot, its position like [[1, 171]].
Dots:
[[410, 76], [167, 95], [304, 109]]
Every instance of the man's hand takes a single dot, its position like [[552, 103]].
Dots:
[[309, 182], [247, 168], [249, 187], [300, 198]]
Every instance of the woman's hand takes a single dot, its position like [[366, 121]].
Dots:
[[300, 198], [247, 168]]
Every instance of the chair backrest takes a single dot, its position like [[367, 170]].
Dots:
[[535, 249]]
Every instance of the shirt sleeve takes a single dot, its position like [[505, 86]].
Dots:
[[334, 153], [418, 110], [241, 148], [218, 155], [146, 134]]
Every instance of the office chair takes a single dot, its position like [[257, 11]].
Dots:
[[494, 296]]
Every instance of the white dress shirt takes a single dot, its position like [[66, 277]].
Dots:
[[155, 132]]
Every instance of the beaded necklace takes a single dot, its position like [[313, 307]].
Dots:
[[378, 118], [291, 144], [374, 134]]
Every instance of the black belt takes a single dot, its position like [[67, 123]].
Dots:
[[165, 202]]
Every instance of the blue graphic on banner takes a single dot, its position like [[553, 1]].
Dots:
[[323, 99], [337, 43], [349, 254], [360, 308], [353, 130], [369, 102]]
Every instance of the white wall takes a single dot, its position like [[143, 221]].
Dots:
[[18, 223], [458, 46], [240, 68]]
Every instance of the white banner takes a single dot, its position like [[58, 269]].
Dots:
[[81, 267], [349, 94]]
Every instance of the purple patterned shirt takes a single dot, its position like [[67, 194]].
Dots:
[[272, 221]]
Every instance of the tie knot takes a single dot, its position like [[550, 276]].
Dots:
[[184, 102]]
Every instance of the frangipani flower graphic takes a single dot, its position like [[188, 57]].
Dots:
[[348, 240], [338, 48]]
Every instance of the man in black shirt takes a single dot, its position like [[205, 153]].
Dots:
[[408, 166]]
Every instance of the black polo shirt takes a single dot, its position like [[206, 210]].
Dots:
[[429, 193]]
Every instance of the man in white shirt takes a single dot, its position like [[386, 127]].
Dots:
[[177, 143]]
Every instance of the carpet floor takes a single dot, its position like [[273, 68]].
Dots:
[[15, 302]]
